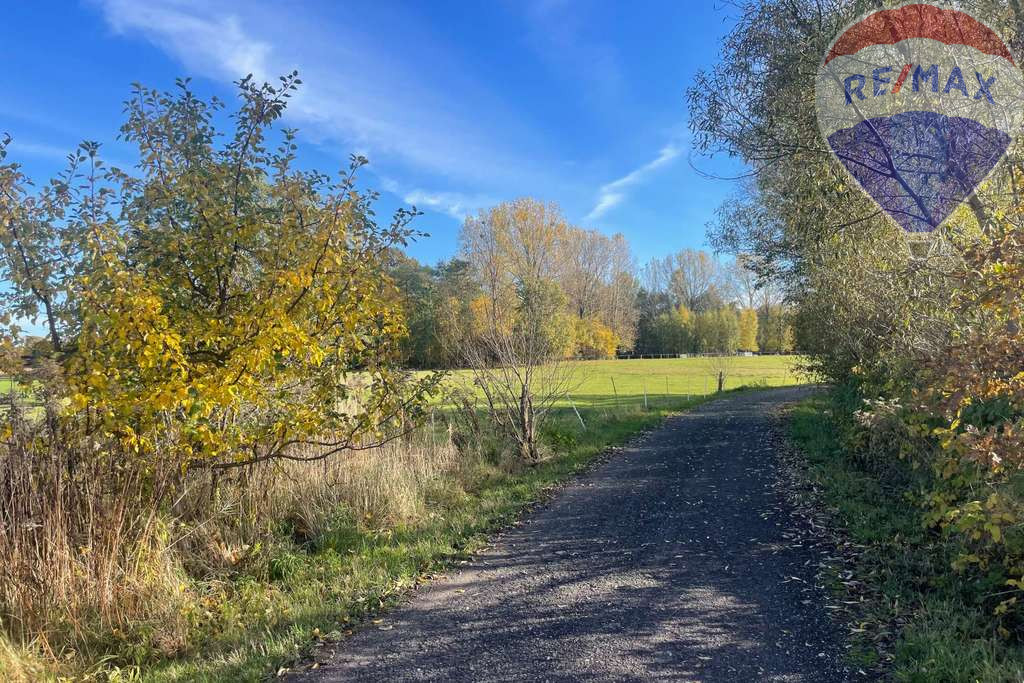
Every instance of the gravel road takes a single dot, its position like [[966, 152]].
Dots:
[[671, 561]]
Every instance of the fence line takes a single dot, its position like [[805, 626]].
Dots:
[[715, 354]]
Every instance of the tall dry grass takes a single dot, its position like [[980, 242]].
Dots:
[[219, 519], [103, 553], [83, 552]]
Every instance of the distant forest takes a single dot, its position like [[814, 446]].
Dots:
[[685, 302]]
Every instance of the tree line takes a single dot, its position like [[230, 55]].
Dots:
[[601, 303]]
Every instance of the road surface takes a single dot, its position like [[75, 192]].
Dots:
[[668, 562]]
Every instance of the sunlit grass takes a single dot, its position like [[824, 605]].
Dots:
[[610, 383], [349, 571]]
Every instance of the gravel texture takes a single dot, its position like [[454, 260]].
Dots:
[[673, 560]]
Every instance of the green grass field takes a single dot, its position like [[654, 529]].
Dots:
[[666, 381]]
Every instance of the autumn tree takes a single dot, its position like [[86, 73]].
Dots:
[[671, 332], [747, 330], [809, 228], [744, 279], [217, 297], [716, 331], [593, 340], [696, 279], [599, 283], [521, 329], [436, 303], [932, 326]]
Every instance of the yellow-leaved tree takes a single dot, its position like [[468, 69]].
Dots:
[[593, 339], [521, 329], [218, 299], [748, 329]]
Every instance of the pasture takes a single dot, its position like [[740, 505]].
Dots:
[[666, 381]]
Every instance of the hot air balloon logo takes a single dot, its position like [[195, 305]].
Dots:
[[919, 104]]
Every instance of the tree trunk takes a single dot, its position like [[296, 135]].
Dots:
[[528, 445]]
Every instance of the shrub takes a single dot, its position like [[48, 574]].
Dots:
[[222, 303], [593, 339]]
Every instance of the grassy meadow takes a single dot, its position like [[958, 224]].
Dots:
[[664, 378], [666, 381], [621, 383]]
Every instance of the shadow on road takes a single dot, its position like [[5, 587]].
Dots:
[[670, 562]]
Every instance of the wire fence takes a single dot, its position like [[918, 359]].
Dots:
[[650, 390]]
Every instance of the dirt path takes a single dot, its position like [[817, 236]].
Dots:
[[669, 562]]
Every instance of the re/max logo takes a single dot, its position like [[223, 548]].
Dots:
[[922, 77]]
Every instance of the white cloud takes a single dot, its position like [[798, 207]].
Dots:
[[35, 149], [458, 205], [357, 94], [415, 116], [612, 194], [213, 43], [455, 204]]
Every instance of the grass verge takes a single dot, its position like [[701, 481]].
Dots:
[[914, 617]]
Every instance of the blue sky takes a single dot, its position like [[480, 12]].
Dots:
[[458, 105]]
